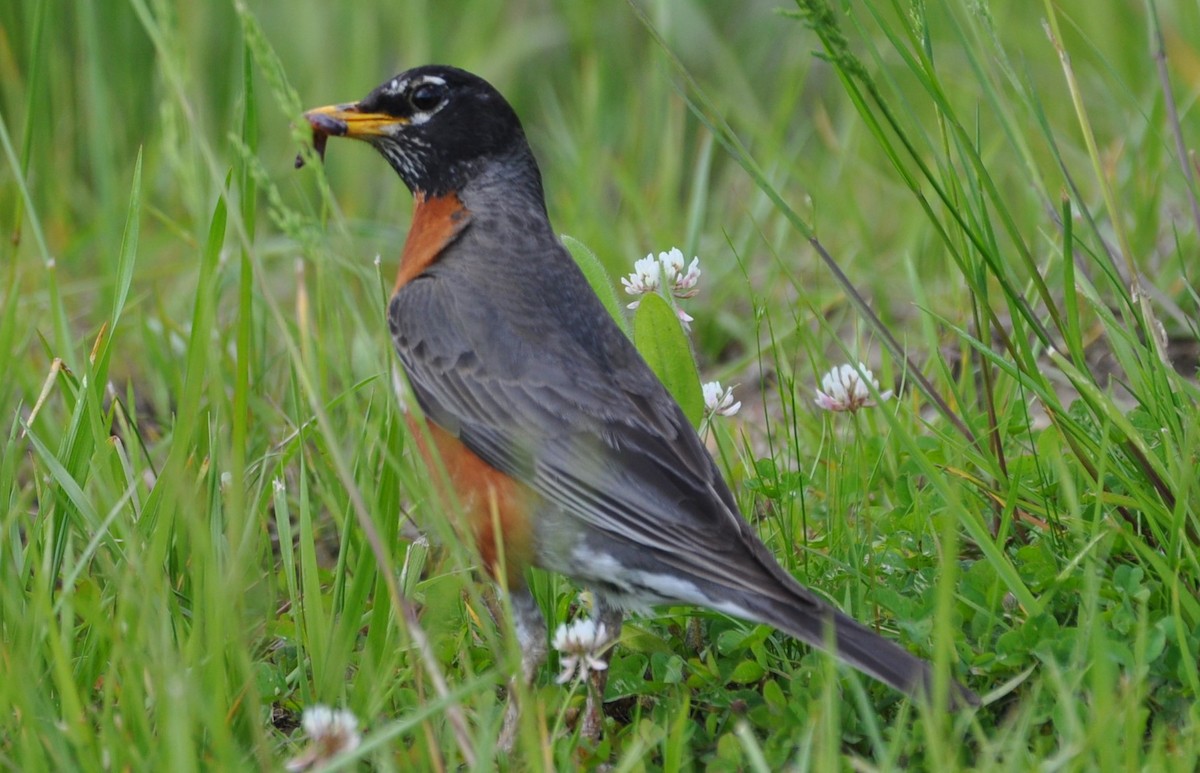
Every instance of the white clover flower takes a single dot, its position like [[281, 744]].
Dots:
[[672, 266], [330, 732], [685, 318], [844, 389], [666, 271], [718, 401], [685, 286], [682, 284], [581, 644], [645, 278]]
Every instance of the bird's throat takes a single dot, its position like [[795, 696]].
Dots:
[[436, 223]]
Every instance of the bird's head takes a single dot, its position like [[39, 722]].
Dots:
[[437, 126]]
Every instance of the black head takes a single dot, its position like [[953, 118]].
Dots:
[[437, 126]]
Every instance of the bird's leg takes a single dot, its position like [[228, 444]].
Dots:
[[531, 636], [593, 717]]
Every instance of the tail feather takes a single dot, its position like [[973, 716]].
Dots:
[[816, 623]]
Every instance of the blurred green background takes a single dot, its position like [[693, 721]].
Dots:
[[85, 85]]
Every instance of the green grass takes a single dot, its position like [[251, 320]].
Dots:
[[203, 468]]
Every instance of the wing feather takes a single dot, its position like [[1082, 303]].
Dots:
[[600, 439]]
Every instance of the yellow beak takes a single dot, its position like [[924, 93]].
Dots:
[[349, 121]]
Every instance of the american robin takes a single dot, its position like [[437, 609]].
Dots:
[[547, 420]]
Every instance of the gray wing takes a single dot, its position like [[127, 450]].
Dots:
[[584, 423]]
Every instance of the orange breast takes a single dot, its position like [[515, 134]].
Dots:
[[436, 223], [497, 508]]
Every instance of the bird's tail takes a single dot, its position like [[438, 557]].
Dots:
[[816, 623]]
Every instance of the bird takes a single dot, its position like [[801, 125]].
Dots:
[[564, 449]]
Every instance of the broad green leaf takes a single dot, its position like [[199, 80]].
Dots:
[[747, 672], [659, 336]]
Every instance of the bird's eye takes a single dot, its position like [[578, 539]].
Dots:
[[427, 96]]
